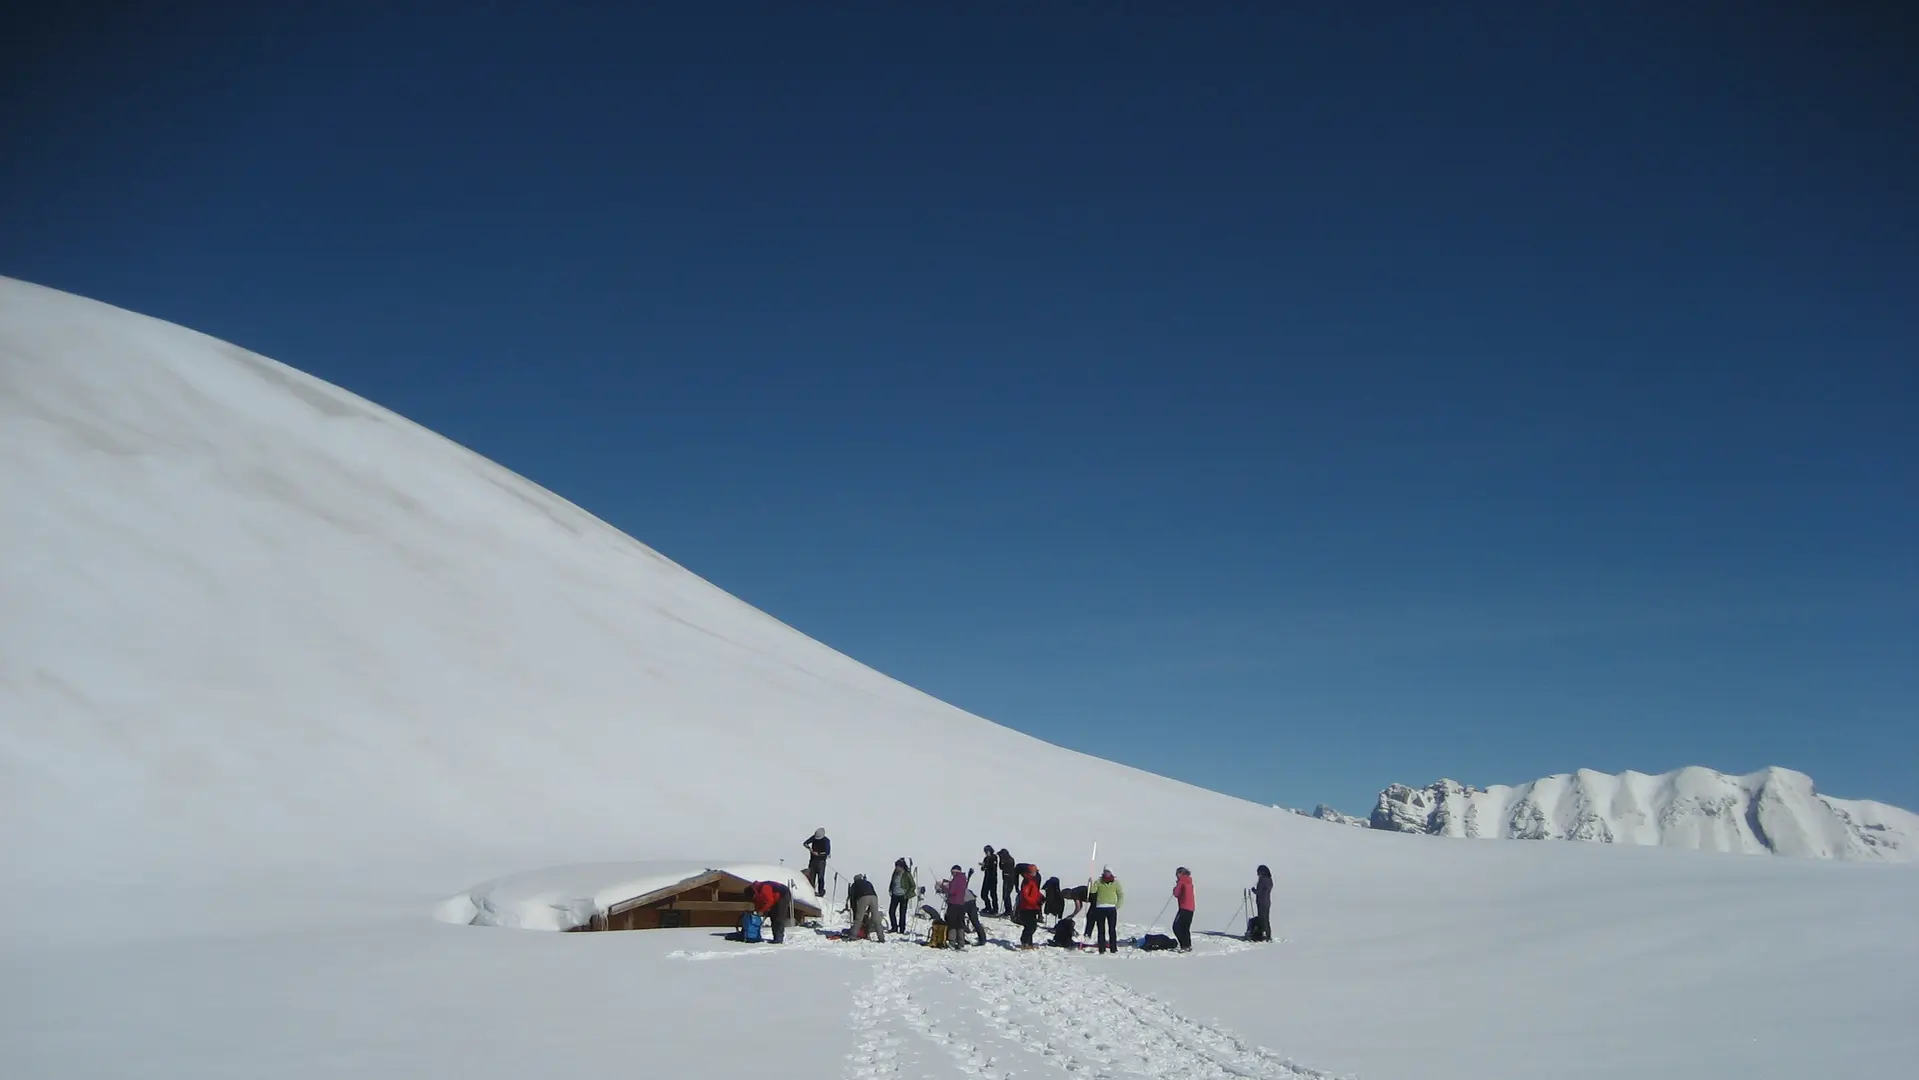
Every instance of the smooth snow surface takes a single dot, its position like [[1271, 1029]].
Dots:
[[1773, 810], [280, 672]]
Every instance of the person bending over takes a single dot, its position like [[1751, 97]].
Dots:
[[775, 901]]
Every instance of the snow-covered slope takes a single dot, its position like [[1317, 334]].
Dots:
[[280, 672], [1773, 810]]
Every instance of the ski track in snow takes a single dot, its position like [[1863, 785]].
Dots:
[[998, 1013]]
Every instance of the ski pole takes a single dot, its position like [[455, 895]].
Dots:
[[1162, 913], [1234, 920]]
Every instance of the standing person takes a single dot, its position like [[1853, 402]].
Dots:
[[865, 903], [775, 901], [989, 880], [955, 889], [1031, 896], [900, 890], [1183, 922], [1008, 880], [1263, 904], [1106, 895], [820, 847]]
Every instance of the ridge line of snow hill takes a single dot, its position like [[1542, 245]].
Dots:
[[1770, 811], [229, 584]]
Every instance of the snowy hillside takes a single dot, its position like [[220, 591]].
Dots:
[[1773, 810], [282, 672]]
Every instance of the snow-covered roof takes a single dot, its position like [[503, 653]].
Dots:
[[567, 897]]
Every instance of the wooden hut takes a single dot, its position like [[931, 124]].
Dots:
[[707, 898]]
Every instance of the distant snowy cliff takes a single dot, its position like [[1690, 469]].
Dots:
[[1773, 811], [1327, 813]]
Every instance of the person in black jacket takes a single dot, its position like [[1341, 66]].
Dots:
[[862, 899], [1263, 905], [820, 847], [989, 881], [1008, 881]]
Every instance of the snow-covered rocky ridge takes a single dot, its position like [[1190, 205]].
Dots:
[[281, 671], [1774, 810], [1325, 813]]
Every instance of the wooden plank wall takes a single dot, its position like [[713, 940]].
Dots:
[[716, 903]]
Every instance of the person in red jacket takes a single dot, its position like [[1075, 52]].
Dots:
[[1183, 922], [775, 901], [1031, 898]]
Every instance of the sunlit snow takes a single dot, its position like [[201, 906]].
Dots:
[[281, 672]]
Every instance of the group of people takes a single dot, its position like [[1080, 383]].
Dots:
[[1015, 890]]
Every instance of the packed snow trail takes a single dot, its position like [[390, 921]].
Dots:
[[1040, 1013], [997, 1013]]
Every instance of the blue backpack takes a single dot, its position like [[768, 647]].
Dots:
[[750, 926]]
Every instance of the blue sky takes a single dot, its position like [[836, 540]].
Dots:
[[1291, 402]]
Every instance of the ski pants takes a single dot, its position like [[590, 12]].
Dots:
[[866, 918], [1008, 887], [1028, 925], [956, 925], [989, 893], [896, 912], [972, 920], [1183, 928], [1106, 925], [816, 874], [781, 914], [1265, 920]]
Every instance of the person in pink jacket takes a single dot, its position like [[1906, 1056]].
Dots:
[[1183, 922], [955, 890]]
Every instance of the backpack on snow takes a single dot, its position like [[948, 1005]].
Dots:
[[1157, 943], [936, 937], [750, 924], [1066, 935]]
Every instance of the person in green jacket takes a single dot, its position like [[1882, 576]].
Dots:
[[1106, 895], [900, 893]]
